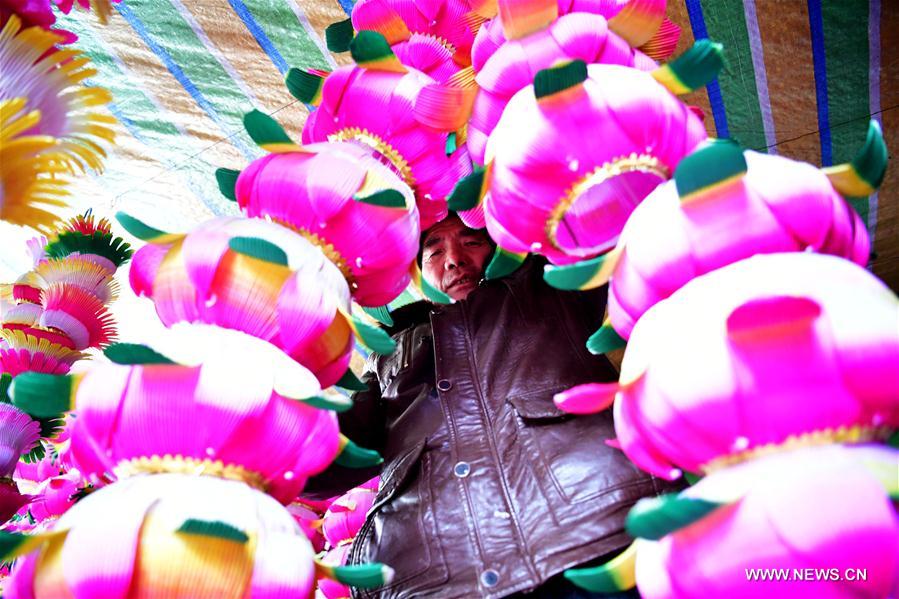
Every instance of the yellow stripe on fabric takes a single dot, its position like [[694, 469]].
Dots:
[[677, 12], [239, 47], [784, 29], [172, 564]]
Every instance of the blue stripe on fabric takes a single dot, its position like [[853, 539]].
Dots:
[[347, 6], [816, 25], [261, 38], [182, 78], [697, 23]]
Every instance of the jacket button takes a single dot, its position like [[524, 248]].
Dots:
[[489, 578], [444, 385], [461, 469]]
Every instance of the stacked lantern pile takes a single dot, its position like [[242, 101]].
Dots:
[[51, 128], [340, 525], [762, 356], [60, 310]]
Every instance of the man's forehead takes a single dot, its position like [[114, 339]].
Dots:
[[449, 228]]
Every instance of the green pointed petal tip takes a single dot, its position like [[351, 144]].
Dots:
[[871, 161], [304, 86], [364, 576], [42, 395], [381, 314], [138, 228], [5, 383], [134, 353], [654, 517], [604, 340], [369, 46], [339, 35], [717, 161], [699, 65], [503, 264], [264, 129], [556, 79], [227, 181], [452, 143], [9, 543], [598, 579], [467, 192], [213, 528], [332, 404], [386, 198], [374, 338], [259, 249], [354, 456], [350, 382], [573, 276]]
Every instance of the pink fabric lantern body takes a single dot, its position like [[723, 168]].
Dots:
[[820, 518], [131, 419], [777, 349], [554, 190], [200, 277], [780, 205], [170, 535], [381, 111], [321, 194], [332, 589], [505, 69]]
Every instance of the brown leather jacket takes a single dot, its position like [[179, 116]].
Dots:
[[487, 488]]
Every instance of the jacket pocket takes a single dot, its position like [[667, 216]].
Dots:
[[400, 530], [569, 456]]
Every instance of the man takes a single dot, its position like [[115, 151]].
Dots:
[[487, 489]]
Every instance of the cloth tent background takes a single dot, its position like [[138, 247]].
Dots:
[[803, 78]]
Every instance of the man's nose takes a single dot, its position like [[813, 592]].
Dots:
[[454, 258]]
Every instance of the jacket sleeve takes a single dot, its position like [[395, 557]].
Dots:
[[364, 424]]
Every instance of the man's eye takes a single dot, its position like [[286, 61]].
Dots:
[[474, 243], [434, 254]]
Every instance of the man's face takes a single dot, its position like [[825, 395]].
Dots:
[[453, 257]]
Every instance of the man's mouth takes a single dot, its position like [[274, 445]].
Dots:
[[461, 281]]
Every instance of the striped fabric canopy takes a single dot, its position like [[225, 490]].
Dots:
[[803, 79]]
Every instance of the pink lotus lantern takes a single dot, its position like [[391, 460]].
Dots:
[[338, 196], [336, 556], [309, 522], [257, 277], [177, 536], [554, 191], [347, 514], [534, 38], [400, 116], [725, 205], [774, 351], [821, 518], [131, 417]]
